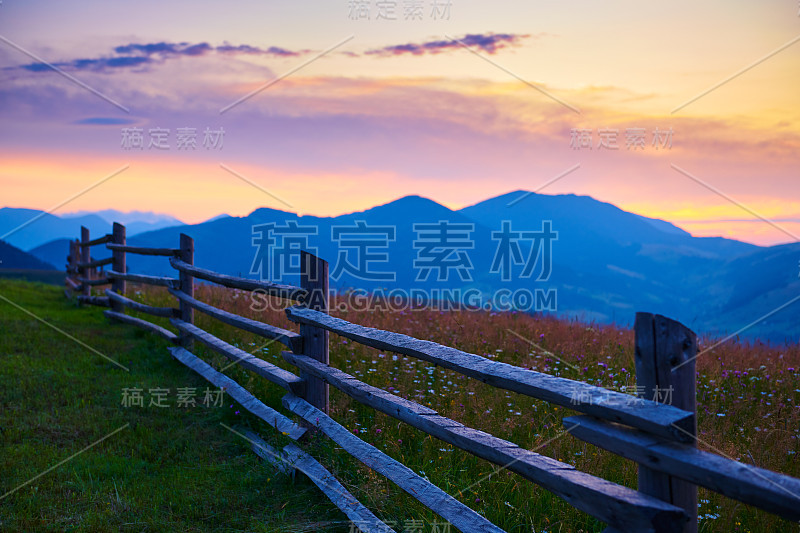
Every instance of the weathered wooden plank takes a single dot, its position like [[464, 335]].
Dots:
[[314, 280], [650, 416], [100, 240], [84, 273], [100, 301], [273, 373], [765, 489], [144, 324], [143, 250], [72, 284], [283, 291], [614, 504], [119, 264], [186, 286], [96, 263], [664, 355], [94, 282], [141, 278], [167, 312], [238, 393], [455, 512], [290, 339], [270, 454], [359, 515]]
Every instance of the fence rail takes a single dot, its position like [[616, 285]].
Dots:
[[657, 436]]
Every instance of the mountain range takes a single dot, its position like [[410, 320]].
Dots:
[[17, 229], [606, 263]]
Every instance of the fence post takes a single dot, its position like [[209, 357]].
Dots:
[[314, 279], [187, 287], [118, 264], [665, 352], [72, 260], [84, 272]]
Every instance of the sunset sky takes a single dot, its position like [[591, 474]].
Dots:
[[403, 107]]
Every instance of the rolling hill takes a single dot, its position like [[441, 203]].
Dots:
[[12, 258]]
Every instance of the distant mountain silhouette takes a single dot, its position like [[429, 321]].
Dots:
[[606, 263], [48, 227], [135, 221], [12, 258], [45, 228], [55, 252]]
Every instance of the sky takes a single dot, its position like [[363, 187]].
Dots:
[[679, 111]]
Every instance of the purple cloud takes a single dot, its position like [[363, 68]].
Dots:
[[105, 121], [253, 50], [142, 55], [489, 43]]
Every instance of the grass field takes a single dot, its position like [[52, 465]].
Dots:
[[178, 469], [166, 469]]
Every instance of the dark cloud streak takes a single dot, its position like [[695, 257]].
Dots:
[[143, 55], [489, 43]]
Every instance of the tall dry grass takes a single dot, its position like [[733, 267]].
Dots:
[[747, 402]]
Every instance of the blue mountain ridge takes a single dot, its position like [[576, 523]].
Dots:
[[606, 263]]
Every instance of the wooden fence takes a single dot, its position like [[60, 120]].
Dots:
[[660, 437]]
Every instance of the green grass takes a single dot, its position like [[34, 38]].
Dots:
[[168, 469], [178, 469]]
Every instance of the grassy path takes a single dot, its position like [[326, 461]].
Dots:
[[172, 468]]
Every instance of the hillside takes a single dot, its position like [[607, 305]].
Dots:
[[12, 258]]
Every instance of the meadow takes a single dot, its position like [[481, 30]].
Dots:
[[747, 396]]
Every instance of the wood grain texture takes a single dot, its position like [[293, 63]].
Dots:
[[659, 419], [119, 264], [664, 355], [614, 504], [290, 339], [186, 254], [314, 280], [268, 453], [167, 312], [141, 278], [143, 250], [84, 273], [361, 517], [144, 324], [96, 263], [765, 489], [86, 282], [273, 373], [100, 240], [239, 393], [455, 512], [283, 291], [100, 301]]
